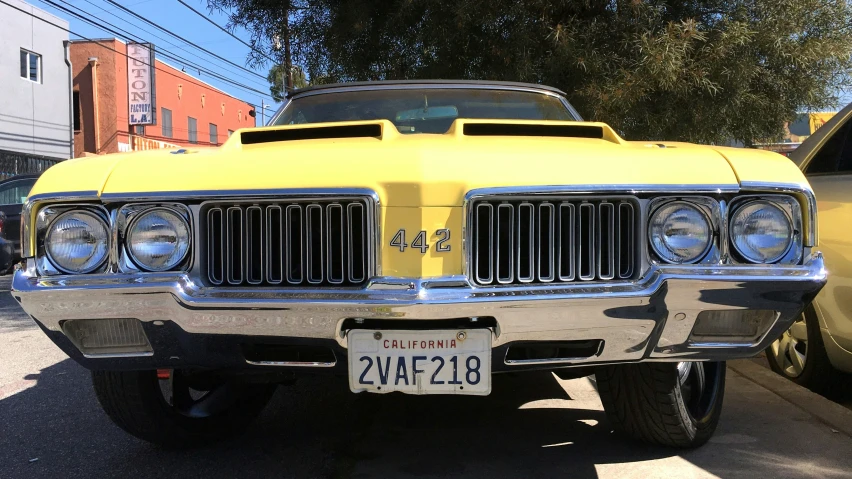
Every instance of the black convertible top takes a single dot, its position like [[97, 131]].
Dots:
[[427, 83]]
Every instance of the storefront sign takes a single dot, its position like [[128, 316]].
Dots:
[[140, 84]]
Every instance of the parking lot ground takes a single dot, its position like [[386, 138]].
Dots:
[[532, 425]]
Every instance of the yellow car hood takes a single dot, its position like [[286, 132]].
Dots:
[[419, 170]]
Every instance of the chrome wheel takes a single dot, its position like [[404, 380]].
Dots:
[[790, 351], [697, 396]]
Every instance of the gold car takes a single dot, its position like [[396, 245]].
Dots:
[[418, 237], [818, 345]]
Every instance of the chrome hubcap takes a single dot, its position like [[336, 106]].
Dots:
[[790, 351]]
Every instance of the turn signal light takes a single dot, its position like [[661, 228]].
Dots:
[[736, 325], [108, 336]]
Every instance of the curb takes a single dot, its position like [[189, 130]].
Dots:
[[826, 411]]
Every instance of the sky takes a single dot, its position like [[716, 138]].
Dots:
[[176, 18]]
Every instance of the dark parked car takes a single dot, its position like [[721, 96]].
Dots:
[[13, 192]]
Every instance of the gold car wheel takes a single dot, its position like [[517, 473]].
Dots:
[[791, 349]]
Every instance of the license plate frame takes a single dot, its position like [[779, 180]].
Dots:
[[442, 365]]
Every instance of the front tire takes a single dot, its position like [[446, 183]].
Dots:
[[174, 412], [667, 404]]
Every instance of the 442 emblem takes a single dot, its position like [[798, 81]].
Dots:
[[420, 241]]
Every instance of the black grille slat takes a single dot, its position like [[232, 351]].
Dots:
[[292, 243], [552, 240]]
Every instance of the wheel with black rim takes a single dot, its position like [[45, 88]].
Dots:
[[176, 409], [668, 404], [799, 354]]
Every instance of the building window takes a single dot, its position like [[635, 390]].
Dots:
[[193, 130], [230, 132], [166, 121], [139, 130], [214, 134], [78, 114], [30, 66]]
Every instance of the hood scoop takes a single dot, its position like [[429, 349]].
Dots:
[[370, 130], [521, 129]]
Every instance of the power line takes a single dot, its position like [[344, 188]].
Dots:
[[167, 54], [227, 32], [132, 37], [169, 32], [149, 32], [167, 72]]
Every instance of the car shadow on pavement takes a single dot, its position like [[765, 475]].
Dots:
[[529, 427], [317, 428]]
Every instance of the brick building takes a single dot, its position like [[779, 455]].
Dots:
[[188, 111]]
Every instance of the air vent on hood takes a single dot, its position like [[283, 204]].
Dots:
[[311, 133], [509, 129]]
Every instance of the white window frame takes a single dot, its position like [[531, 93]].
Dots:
[[39, 69]]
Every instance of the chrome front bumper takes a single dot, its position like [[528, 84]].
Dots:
[[650, 319]]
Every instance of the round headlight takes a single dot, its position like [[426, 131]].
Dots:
[[761, 232], [77, 241], [680, 232], [158, 239]]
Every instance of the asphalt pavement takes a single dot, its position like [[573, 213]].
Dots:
[[532, 425]]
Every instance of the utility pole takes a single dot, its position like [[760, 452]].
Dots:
[[288, 65], [262, 108]]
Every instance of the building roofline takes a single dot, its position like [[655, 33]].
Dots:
[[23, 4], [429, 83], [157, 60]]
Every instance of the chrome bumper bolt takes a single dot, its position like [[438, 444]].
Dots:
[[461, 335], [377, 335]]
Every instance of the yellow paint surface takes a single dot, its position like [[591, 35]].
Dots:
[[421, 180]]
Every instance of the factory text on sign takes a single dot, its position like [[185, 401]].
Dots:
[[140, 84]]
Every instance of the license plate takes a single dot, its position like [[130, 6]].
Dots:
[[420, 362]]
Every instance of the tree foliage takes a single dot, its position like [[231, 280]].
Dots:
[[705, 71], [276, 78]]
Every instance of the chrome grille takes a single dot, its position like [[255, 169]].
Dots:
[[291, 242], [521, 241]]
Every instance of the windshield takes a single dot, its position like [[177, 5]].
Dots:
[[425, 110]]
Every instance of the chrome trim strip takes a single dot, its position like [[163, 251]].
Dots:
[[478, 268], [529, 210], [572, 237], [605, 208], [309, 246], [629, 210], [299, 364], [251, 278], [330, 246], [589, 244], [274, 246], [509, 248], [596, 190], [350, 212], [548, 245], [291, 278], [242, 195], [233, 216]]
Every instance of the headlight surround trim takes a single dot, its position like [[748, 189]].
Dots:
[[706, 209], [789, 209], [129, 217], [55, 217]]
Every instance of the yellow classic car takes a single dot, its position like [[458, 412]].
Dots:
[[418, 237], [818, 345]]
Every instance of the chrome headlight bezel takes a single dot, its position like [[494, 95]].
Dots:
[[792, 211], [49, 217], [125, 219], [710, 210]]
